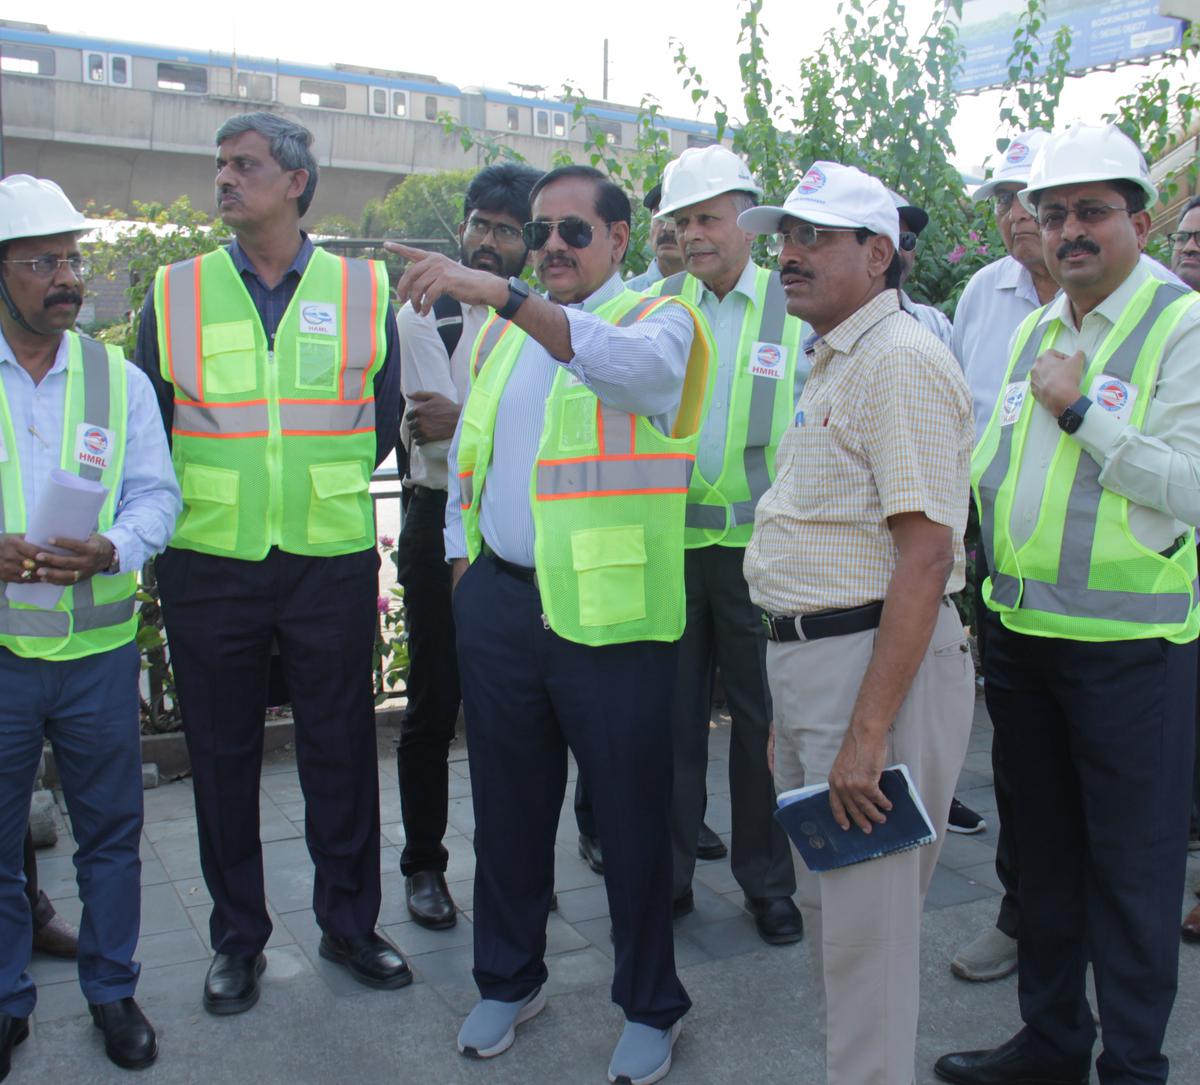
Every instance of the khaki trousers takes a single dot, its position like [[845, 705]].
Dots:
[[863, 923]]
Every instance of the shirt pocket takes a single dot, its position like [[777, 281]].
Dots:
[[210, 503], [610, 570], [335, 512], [230, 358]]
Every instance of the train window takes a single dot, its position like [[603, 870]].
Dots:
[[610, 130], [27, 59], [322, 95], [379, 101], [694, 140], [118, 70], [253, 85], [430, 107], [514, 119], [560, 125], [399, 103], [542, 119], [184, 77], [96, 68]]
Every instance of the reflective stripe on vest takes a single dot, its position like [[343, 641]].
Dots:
[[1070, 595], [85, 615]]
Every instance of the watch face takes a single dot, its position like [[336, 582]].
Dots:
[[1069, 421]]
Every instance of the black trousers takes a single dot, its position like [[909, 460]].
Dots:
[[528, 695], [221, 617], [1098, 742], [433, 694], [724, 627]]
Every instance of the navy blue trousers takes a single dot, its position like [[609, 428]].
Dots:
[[528, 694], [88, 709], [1098, 741], [222, 616]]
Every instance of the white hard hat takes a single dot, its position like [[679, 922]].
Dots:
[[701, 173], [1018, 160], [35, 207], [1085, 153]]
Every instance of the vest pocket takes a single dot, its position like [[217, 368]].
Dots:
[[335, 513], [610, 567], [210, 500], [229, 358]]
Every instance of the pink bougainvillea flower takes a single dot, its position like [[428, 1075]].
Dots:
[[387, 541], [384, 604], [956, 254]]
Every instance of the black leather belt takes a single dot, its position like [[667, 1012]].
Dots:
[[520, 572], [825, 623]]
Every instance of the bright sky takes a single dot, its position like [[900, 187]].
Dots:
[[466, 42]]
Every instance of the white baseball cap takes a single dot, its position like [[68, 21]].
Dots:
[[831, 194], [1017, 162]]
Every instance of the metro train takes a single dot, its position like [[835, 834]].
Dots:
[[31, 49]]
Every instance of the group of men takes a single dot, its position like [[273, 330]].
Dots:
[[613, 492]]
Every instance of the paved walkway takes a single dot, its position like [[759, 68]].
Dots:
[[753, 1020]]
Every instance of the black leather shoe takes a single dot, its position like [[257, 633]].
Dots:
[[129, 1038], [777, 919], [13, 1031], [709, 845], [1008, 1064], [429, 901], [369, 958], [589, 852], [683, 904], [231, 985]]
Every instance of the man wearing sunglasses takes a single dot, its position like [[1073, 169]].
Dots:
[[855, 546], [68, 662], [567, 487], [759, 373], [1085, 480], [913, 221], [436, 349]]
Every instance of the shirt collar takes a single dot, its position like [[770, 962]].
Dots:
[[611, 288], [297, 266], [846, 335], [746, 286], [60, 355], [1110, 308]]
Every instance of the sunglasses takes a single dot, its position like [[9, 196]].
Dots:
[[574, 232]]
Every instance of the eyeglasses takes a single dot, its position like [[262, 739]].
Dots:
[[804, 235], [1003, 202], [1088, 214], [908, 241], [504, 234], [46, 265], [1182, 237], [574, 232]]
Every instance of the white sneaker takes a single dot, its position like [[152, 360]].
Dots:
[[991, 956], [491, 1026], [643, 1054]]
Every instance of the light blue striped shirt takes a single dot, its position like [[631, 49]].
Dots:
[[638, 369], [149, 497]]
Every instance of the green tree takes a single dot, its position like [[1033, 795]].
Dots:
[[423, 206]]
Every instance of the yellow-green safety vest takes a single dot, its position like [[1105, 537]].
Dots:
[[1082, 574], [273, 446], [96, 615], [762, 399], [607, 489]]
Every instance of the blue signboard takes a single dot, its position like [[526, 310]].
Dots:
[[1102, 34]]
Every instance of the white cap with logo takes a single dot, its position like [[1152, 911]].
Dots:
[[1017, 162], [831, 194]]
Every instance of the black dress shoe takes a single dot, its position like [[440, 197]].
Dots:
[[231, 985], [1008, 1064], [777, 919], [129, 1038], [589, 852], [13, 1031], [369, 958], [429, 901], [683, 904], [709, 845]]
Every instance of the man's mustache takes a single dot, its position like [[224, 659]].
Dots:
[[795, 269], [1080, 244], [64, 297], [665, 238]]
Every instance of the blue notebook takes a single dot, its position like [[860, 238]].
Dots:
[[806, 816]]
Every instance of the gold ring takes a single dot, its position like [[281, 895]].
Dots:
[[76, 576], [29, 564], [26, 575]]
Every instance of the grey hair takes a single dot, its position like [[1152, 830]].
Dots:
[[291, 145], [743, 201]]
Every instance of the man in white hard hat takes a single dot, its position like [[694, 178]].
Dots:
[[1085, 480], [69, 667], [759, 373], [855, 546]]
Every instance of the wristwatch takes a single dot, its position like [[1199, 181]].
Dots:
[[518, 291], [1072, 418]]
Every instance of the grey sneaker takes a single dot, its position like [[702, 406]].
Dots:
[[643, 1054], [490, 1027], [991, 956]]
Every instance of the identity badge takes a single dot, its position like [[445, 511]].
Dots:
[[93, 445], [1013, 401], [768, 360], [318, 318], [1114, 395]]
